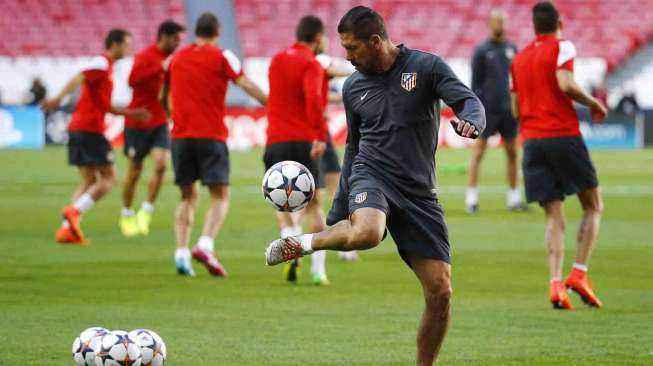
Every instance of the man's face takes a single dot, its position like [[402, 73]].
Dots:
[[123, 49], [362, 54], [498, 25], [323, 45], [170, 42]]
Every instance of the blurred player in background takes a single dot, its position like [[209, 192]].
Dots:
[[199, 78], [392, 104], [297, 128], [490, 79], [151, 136], [330, 163], [556, 161], [88, 149]]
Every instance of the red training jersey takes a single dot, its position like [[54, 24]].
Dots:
[[296, 105], [146, 80], [544, 110], [199, 77], [95, 98]]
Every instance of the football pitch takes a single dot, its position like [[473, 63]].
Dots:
[[368, 316]]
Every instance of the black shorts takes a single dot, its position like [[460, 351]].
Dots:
[[556, 167], [88, 148], [298, 151], [415, 223], [203, 159], [502, 122], [330, 163], [140, 141]]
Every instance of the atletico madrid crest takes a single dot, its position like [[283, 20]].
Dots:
[[409, 80]]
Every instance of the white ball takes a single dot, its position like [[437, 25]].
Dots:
[[118, 349], [153, 349], [288, 186], [85, 344]]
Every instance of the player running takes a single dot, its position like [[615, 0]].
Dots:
[[556, 161], [199, 78], [392, 104], [490, 75], [297, 128], [151, 136], [88, 149]]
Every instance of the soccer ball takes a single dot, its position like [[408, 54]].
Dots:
[[117, 349], [85, 344], [153, 350], [288, 186]]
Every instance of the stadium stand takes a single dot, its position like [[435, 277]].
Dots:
[[452, 28]]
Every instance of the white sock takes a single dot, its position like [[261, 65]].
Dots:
[[65, 224], [127, 212], [471, 196], [318, 262], [307, 240], [286, 232], [147, 207], [84, 203], [297, 230], [182, 254], [205, 243], [581, 267], [513, 197]]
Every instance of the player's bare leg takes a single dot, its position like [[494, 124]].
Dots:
[[184, 218], [213, 220], [513, 198], [315, 215], [435, 278], [128, 224], [592, 205], [554, 239], [471, 195], [144, 215]]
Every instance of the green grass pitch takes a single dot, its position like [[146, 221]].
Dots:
[[368, 316]]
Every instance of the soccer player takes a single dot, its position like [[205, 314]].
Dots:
[[199, 78], [152, 136], [392, 105], [88, 149], [490, 75], [556, 161], [297, 128]]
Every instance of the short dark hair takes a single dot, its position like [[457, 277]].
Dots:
[[207, 25], [309, 26], [169, 28], [115, 35], [545, 17], [362, 22]]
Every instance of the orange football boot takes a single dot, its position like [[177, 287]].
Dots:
[[580, 284], [71, 215], [65, 236], [558, 295]]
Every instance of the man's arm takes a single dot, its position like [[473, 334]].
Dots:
[[514, 105], [139, 114], [569, 86], [465, 104], [252, 89], [312, 88], [73, 84], [478, 72]]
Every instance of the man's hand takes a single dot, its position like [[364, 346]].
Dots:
[[464, 129], [598, 112], [318, 149], [140, 114], [50, 105]]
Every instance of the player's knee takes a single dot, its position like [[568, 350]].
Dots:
[[594, 206], [557, 223], [365, 237], [160, 167], [439, 293]]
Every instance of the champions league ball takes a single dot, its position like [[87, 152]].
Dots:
[[288, 186], [85, 344], [118, 349], [153, 350]]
